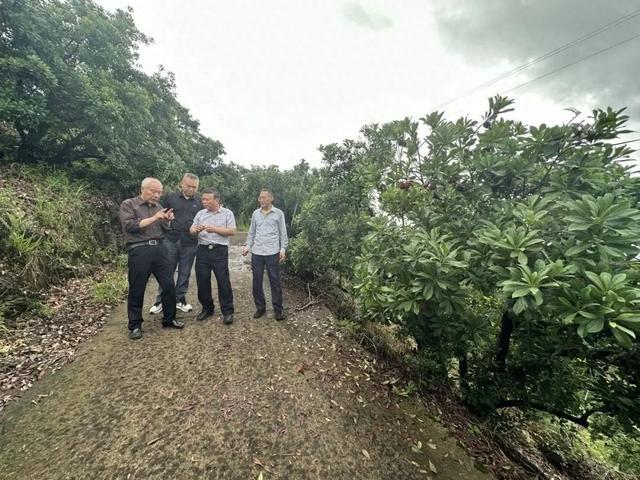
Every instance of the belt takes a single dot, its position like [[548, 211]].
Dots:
[[211, 246], [131, 246]]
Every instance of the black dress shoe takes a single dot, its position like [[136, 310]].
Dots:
[[175, 323], [204, 314], [279, 316], [227, 319], [135, 334], [259, 313]]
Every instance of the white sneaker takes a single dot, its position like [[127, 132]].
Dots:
[[157, 308], [184, 307]]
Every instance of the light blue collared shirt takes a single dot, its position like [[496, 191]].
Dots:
[[268, 232]]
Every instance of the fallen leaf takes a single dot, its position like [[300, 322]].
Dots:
[[432, 467], [151, 442], [365, 453]]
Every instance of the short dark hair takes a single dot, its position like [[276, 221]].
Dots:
[[212, 191], [191, 176]]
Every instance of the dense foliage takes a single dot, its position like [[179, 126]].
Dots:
[[335, 215], [239, 188], [51, 227], [508, 251], [71, 95]]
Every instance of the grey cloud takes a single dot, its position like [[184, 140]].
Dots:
[[488, 31], [354, 12]]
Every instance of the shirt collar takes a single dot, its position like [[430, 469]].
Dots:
[[142, 201]]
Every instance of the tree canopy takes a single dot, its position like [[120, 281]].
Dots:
[[73, 95], [509, 252]]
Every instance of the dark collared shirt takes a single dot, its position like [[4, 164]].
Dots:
[[184, 209], [132, 211]]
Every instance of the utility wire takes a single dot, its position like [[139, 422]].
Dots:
[[586, 57], [549, 54], [573, 63]]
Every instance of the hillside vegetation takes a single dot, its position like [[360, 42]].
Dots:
[[504, 254]]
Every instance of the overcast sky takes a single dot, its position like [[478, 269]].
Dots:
[[274, 79]]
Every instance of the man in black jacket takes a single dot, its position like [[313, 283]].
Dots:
[[181, 246]]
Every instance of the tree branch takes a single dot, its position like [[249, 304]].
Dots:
[[582, 420], [68, 147]]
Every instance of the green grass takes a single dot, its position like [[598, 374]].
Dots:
[[50, 226], [112, 288]]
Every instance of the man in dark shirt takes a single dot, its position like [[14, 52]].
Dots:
[[181, 246], [143, 222]]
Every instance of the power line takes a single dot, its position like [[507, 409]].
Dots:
[[573, 63], [586, 57], [549, 54]]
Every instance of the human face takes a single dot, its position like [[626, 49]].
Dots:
[[210, 202], [152, 191], [265, 199], [189, 187]]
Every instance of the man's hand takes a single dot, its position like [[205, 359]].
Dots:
[[210, 228], [245, 251], [283, 256], [164, 214], [196, 229]]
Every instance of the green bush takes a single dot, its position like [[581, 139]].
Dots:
[[509, 252], [51, 228]]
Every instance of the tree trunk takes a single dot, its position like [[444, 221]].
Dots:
[[463, 369], [504, 340]]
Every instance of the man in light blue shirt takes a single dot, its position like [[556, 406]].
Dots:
[[267, 241], [213, 225]]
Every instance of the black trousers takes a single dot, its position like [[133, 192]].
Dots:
[[143, 262], [215, 259], [180, 256], [272, 262]]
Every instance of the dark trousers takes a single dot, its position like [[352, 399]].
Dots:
[[144, 261], [181, 256], [272, 262], [216, 259]]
